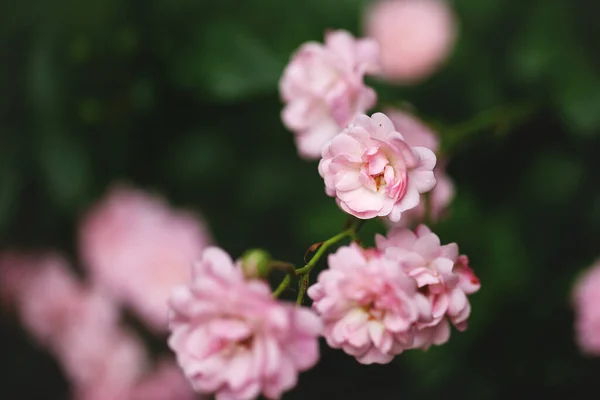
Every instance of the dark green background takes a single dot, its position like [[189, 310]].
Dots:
[[180, 97]]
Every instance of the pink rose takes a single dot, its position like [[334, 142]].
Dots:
[[415, 36], [416, 133], [233, 339], [368, 304], [586, 302], [138, 248], [373, 172], [165, 382], [441, 274], [323, 88], [79, 325], [44, 292], [101, 361]]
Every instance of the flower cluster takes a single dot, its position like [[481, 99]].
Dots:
[[376, 303], [235, 339], [231, 335], [136, 250], [79, 324]]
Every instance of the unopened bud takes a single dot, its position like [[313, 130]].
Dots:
[[255, 263]]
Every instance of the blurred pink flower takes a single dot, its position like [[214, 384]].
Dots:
[[416, 133], [79, 325], [373, 172], [441, 274], [166, 382], [233, 339], [586, 302], [100, 356], [415, 36], [368, 304], [323, 88], [46, 295], [138, 248]]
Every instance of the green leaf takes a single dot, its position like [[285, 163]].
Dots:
[[196, 157], [579, 99], [553, 179], [65, 166], [229, 62]]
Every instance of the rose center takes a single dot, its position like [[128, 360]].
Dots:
[[246, 343], [379, 181], [374, 314]]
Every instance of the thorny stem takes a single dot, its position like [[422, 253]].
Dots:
[[306, 269], [302, 286], [326, 244]]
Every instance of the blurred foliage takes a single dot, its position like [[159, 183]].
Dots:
[[180, 97]]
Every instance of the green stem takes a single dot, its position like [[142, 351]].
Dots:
[[305, 270], [283, 266], [499, 118], [302, 286], [326, 244], [282, 286]]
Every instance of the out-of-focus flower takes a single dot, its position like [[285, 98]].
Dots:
[[138, 248], [100, 360], [233, 339], [164, 383], [78, 324], [368, 304], [323, 88], [441, 274], [47, 296], [373, 172], [416, 133], [586, 302], [415, 36]]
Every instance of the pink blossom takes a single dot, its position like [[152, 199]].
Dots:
[[323, 88], [79, 325], [165, 382], [97, 355], [47, 296], [368, 304], [138, 248], [416, 133], [373, 172], [415, 36], [441, 274], [233, 339], [586, 302]]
